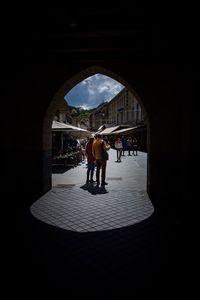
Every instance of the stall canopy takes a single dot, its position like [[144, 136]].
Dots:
[[58, 126], [115, 129], [108, 130], [127, 130]]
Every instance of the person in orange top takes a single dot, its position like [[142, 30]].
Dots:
[[98, 147]]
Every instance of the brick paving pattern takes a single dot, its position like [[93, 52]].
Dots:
[[74, 205]]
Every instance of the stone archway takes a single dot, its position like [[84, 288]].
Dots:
[[58, 98]]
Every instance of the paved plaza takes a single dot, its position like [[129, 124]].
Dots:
[[74, 205]]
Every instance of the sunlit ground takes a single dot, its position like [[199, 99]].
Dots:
[[74, 205]]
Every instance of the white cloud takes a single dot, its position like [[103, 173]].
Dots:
[[84, 82], [85, 107], [94, 90]]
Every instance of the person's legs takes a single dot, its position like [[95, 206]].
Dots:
[[92, 172], [98, 164], [135, 151], [123, 151], [103, 172], [88, 174], [88, 171], [118, 155], [129, 150]]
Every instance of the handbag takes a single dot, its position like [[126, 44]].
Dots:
[[104, 154]]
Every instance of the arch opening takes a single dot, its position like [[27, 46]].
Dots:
[[65, 88], [61, 188]]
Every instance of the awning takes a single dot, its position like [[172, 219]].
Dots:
[[126, 130], [58, 126], [109, 130]]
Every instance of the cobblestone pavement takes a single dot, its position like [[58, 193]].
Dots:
[[74, 205]]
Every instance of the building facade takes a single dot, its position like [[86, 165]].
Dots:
[[123, 109]]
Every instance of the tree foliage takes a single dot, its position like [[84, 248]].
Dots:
[[79, 113]]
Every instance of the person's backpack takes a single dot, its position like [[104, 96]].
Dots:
[[104, 154]]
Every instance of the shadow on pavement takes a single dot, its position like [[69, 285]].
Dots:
[[94, 189]]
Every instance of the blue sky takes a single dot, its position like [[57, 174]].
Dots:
[[92, 91]]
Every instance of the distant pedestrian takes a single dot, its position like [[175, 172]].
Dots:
[[129, 145], [135, 146], [124, 144], [118, 147], [90, 160]]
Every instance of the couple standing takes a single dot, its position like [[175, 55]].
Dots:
[[95, 150]]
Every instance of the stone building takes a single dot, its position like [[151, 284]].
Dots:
[[123, 109]]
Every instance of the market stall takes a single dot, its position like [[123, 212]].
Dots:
[[67, 143]]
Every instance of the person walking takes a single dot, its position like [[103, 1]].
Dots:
[[98, 148], [124, 145], [118, 147], [90, 160], [129, 145], [135, 146]]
